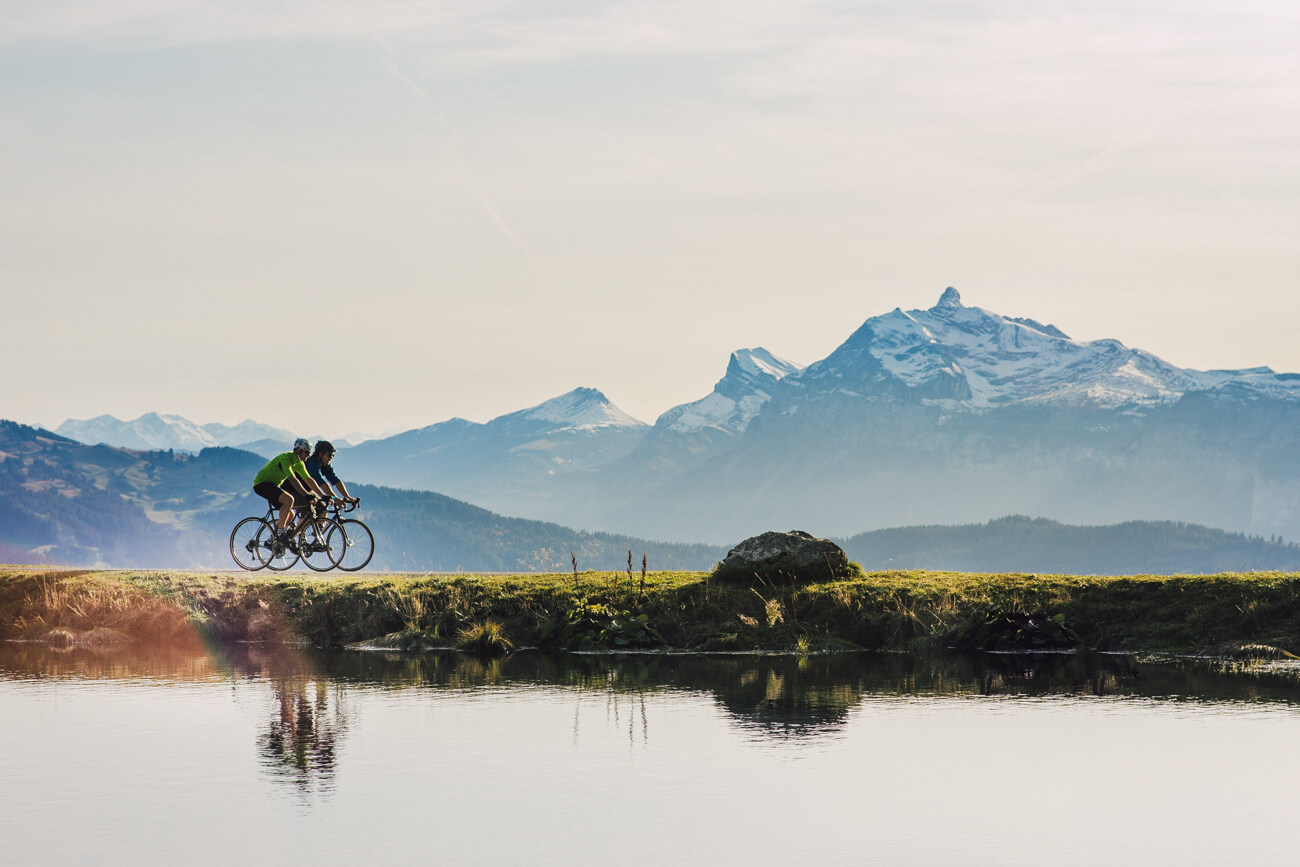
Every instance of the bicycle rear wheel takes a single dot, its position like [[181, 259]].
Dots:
[[358, 544], [245, 542], [276, 554], [321, 543]]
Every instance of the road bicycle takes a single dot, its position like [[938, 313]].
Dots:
[[315, 539], [358, 544]]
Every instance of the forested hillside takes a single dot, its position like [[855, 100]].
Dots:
[[1020, 544]]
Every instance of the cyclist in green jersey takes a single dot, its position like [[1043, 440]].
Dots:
[[285, 483]]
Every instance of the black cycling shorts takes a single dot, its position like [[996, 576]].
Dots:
[[271, 493]]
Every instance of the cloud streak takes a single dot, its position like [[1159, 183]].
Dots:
[[716, 158], [393, 68]]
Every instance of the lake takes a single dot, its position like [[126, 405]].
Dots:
[[278, 755]]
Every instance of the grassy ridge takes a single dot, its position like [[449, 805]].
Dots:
[[905, 611]]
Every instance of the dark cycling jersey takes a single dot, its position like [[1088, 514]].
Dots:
[[320, 472]]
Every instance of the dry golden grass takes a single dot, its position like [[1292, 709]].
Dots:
[[66, 613]]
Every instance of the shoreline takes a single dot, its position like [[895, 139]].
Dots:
[[1234, 615]]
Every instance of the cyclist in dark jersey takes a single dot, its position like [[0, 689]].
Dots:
[[286, 484], [318, 467]]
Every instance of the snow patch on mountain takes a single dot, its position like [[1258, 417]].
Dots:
[[716, 411], [759, 363]]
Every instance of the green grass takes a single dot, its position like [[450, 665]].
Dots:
[[904, 611]]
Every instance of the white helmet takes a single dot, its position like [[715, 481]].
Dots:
[[301, 445]]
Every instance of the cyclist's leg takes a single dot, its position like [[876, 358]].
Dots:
[[299, 509], [279, 499], [286, 512]]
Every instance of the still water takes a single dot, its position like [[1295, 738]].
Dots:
[[273, 755]]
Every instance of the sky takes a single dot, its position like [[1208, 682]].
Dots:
[[336, 216]]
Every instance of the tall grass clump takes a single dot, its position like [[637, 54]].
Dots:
[[486, 638], [57, 613]]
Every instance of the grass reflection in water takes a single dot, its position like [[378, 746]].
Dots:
[[779, 695]]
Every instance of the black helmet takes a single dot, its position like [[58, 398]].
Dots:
[[325, 447]]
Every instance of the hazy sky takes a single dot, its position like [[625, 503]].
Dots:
[[338, 216]]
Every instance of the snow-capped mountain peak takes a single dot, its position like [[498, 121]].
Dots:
[[758, 362], [580, 408], [978, 359], [751, 377]]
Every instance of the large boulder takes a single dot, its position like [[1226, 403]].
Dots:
[[774, 557]]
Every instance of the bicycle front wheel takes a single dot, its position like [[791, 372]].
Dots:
[[358, 545], [321, 544], [279, 555], [245, 540]]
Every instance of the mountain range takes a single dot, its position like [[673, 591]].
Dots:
[[165, 432], [949, 415], [70, 504], [162, 432], [67, 503]]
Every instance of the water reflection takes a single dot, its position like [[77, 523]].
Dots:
[[777, 697], [345, 758], [300, 742]]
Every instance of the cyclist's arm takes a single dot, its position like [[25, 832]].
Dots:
[[331, 477], [305, 482], [318, 473], [300, 484]]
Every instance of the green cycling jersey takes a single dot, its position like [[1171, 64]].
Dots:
[[279, 469]]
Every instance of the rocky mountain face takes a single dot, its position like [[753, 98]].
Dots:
[[752, 377], [953, 414], [683, 438]]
